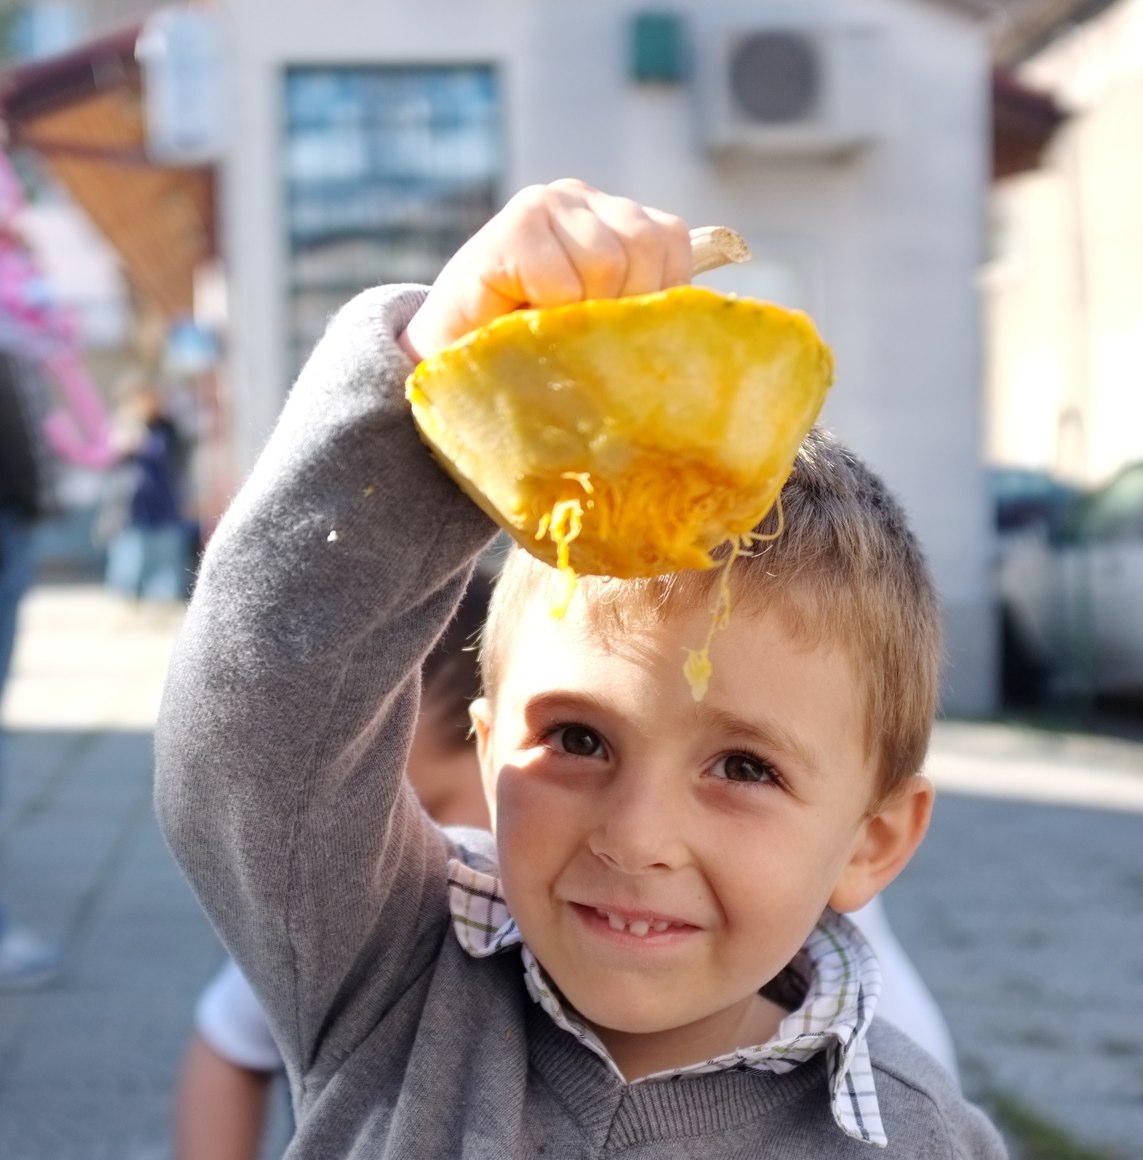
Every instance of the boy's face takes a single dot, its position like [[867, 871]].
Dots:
[[665, 859]]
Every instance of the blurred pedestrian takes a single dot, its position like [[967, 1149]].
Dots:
[[147, 537], [24, 959], [38, 358]]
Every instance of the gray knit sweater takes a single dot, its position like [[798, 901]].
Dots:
[[281, 746]]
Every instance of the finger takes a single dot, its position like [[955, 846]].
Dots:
[[529, 263], [594, 250], [677, 263], [619, 246], [657, 245]]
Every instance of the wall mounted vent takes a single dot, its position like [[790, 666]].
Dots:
[[779, 85]]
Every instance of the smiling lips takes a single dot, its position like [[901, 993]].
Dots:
[[638, 925]]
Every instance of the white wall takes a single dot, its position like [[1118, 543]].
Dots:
[[882, 247]]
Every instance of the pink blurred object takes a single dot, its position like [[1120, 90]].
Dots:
[[35, 328], [79, 430]]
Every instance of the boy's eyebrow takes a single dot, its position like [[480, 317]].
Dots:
[[770, 735], [555, 698]]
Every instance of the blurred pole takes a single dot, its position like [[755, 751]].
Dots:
[[1071, 455]]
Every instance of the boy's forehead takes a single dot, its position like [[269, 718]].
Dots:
[[537, 615], [606, 618], [537, 646]]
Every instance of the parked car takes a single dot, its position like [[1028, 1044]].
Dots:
[[1070, 583], [1026, 498]]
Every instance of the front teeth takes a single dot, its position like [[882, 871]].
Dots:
[[639, 927]]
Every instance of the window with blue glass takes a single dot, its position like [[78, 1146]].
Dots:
[[388, 170]]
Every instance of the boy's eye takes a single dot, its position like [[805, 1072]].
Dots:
[[577, 740], [743, 767]]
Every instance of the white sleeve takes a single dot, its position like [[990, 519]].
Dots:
[[229, 1017], [905, 1001]]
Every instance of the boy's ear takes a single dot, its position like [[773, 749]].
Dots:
[[885, 843], [480, 712]]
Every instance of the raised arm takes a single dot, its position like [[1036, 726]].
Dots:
[[293, 690]]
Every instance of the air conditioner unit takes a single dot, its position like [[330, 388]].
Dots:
[[781, 84]]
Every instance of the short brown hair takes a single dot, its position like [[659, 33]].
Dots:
[[845, 569]]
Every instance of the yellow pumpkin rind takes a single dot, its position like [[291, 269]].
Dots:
[[584, 403]]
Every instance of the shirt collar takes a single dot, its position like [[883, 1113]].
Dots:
[[835, 976]]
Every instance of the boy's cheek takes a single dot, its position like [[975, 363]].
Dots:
[[524, 808], [516, 829], [513, 798]]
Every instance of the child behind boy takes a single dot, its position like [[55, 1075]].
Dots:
[[650, 959]]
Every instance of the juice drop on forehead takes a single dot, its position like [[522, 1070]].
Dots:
[[697, 669]]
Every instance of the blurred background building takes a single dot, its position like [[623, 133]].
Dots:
[[847, 141], [1064, 280], [906, 170]]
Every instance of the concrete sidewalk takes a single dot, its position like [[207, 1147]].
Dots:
[[86, 1068], [1023, 910]]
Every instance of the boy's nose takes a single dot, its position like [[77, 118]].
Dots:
[[637, 828]]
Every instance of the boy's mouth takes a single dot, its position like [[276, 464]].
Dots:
[[641, 925]]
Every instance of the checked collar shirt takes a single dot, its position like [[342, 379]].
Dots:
[[832, 986]]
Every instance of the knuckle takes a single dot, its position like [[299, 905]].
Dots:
[[641, 230], [678, 229], [572, 185], [530, 201]]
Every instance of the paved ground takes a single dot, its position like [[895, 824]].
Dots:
[[1023, 911], [87, 1068]]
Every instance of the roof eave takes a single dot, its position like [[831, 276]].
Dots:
[[38, 87]]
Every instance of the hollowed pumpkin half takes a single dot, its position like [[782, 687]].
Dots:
[[626, 437]]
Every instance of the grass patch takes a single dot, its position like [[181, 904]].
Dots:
[[1039, 1139]]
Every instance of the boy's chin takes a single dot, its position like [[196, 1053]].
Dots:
[[646, 1041], [619, 1014], [627, 1022], [650, 1012]]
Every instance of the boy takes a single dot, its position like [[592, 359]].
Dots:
[[664, 973]]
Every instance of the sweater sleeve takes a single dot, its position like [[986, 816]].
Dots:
[[293, 689]]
